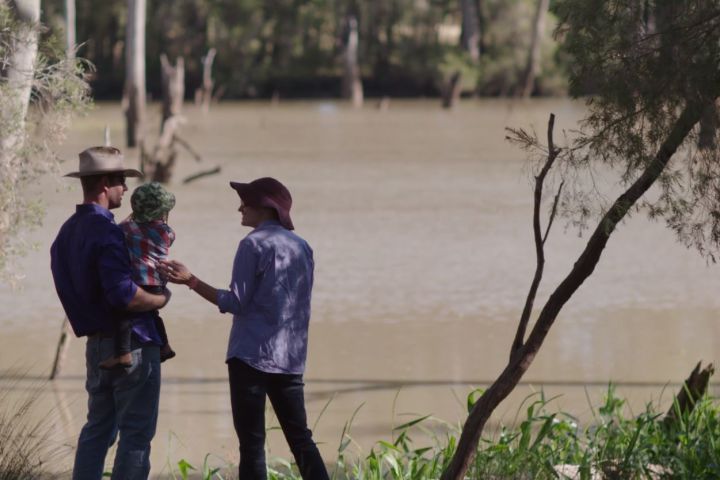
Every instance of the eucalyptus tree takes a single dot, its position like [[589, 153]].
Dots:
[[654, 70], [39, 90]]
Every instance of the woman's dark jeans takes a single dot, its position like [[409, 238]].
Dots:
[[248, 388]]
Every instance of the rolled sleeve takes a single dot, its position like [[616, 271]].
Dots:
[[243, 283], [114, 265]]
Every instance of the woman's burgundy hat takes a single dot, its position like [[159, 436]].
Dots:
[[267, 192]]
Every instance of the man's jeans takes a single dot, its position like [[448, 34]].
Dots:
[[248, 388], [124, 400]]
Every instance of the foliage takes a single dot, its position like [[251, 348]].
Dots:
[[546, 444], [58, 92], [206, 472], [294, 48], [644, 62]]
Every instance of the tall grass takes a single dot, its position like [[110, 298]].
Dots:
[[25, 447], [545, 444]]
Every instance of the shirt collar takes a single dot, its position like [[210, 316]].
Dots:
[[86, 208], [267, 223]]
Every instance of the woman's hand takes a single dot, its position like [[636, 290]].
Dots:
[[175, 271]]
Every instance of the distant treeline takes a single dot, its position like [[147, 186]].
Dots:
[[294, 48]]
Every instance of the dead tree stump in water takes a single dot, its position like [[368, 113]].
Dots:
[[352, 82], [158, 165], [692, 390], [451, 90], [173, 87], [203, 95]]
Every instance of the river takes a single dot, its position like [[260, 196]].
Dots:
[[420, 220]]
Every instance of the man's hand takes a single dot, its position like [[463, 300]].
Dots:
[[145, 302], [175, 271], [167, 294]]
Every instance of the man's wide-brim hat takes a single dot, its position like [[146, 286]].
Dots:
[[267, 192], [102, 160]]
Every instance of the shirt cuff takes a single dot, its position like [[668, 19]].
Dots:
[[225, 300]]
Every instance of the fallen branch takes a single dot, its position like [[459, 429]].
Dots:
[[204, 173]]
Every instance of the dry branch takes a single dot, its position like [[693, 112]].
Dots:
[[538, 237]]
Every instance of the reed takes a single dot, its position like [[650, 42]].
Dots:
[[25, 447]]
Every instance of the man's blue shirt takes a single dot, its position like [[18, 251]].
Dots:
[[91, 269], [269, 298]]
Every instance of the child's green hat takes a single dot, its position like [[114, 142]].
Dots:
[[151, 201]]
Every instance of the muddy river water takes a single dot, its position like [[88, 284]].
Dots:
[[420, 223]]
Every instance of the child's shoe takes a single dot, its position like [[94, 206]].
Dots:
[[166, 352], [121, 361]]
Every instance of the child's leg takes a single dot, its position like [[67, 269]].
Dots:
[[160, 326], [122, 337], [123, 357], [166, 352]]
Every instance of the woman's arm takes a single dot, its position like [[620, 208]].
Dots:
[[176, 272]]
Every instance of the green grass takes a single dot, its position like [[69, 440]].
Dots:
[[615, 445]]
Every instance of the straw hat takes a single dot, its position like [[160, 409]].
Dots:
[[100, 160]]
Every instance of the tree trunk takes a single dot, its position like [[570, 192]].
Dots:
[[451, 90], [173, 87], [470, 35], [532, 69], [709, 125], [70, 39], [135, 72], [352, 83], [203, 95], [582, 269], [692, 390], [19, 74]]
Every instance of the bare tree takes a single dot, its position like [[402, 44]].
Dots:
[[70, 39], [173, 87], [532, 68], [134, 96], [352, 83], [159, 163], [451, 90], [204, 94]]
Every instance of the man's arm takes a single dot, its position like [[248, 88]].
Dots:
[[146, 302]]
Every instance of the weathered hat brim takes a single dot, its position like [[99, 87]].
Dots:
[[128, 172], [251, 195]]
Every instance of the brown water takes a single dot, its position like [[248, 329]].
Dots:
[[420, 222]]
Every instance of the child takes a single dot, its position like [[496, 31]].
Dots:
[[148, 238]]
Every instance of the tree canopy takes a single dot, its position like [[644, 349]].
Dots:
[[293, 48]]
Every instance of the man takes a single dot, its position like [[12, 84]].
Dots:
[[269, 298], [91, 269]]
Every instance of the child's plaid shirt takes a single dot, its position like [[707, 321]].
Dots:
[[148, 243]]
